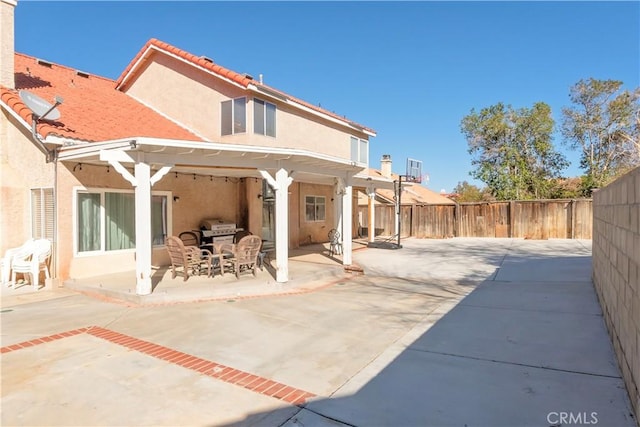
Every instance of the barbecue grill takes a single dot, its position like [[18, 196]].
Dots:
[[217, 231]]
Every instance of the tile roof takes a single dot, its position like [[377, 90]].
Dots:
[[413, 193], [93, 109], [233, 76]]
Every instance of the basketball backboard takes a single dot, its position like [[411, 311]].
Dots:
[[414, 171]]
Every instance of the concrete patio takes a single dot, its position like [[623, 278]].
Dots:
[[478, 332], [309, 267]]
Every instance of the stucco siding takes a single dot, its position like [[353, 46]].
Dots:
[[192, 98], [22, 167], [196, 199], [316, 231]]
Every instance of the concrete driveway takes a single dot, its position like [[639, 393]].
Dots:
[[442, 332]]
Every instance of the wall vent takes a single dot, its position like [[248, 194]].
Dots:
[[44, 63]]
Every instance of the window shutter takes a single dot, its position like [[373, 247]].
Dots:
[[48, 213], [42, 213]]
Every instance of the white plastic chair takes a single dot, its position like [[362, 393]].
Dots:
[[33, 263], [19, 253]]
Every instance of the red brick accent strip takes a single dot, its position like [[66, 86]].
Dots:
[[215, 370], [42, 340]]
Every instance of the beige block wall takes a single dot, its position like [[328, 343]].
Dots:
[[193, 98], [616, 267]]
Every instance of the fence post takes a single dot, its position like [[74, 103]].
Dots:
[[573, 219], [512, 205]]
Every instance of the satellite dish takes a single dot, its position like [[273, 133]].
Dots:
[[39, 107]]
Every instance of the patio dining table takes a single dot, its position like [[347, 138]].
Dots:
[[217, 252]]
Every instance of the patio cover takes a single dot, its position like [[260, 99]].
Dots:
[[152, 158]]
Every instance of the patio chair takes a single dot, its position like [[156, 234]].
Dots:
[[32, 263], [189, 238], [335, 245], [191, 259], [244, 255], [240, 234], [17, 253]]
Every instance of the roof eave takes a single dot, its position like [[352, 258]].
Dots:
[[133, 70]]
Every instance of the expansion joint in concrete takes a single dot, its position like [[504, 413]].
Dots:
[[504, 362]]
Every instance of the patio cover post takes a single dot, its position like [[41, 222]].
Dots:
[[143, 228], [372, 214], [281, 187], [347, 220], [282, 225], [339, 191]]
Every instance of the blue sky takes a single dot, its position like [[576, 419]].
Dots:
[[409, 70]]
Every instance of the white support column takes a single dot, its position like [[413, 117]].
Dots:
[[143, 228], [282, 181], [339, 192], [347, 220], [397, 212], [372, 214]]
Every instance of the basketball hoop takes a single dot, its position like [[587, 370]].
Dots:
[[414, 171]]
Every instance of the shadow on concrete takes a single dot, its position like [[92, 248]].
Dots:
[[526, 346]]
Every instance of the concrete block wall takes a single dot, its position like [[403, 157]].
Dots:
[[616, 272]]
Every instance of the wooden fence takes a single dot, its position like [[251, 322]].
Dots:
[[535, 219]]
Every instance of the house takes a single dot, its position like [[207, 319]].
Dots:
[[176, 139], [413, 193]]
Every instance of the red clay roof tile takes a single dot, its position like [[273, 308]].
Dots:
[[93, 110], [226, 73]]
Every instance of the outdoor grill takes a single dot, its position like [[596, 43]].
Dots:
[[217, 231]]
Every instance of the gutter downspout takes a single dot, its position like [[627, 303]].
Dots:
[[51, 157], [50, 154]]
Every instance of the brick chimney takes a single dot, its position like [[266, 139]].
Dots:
[[385, 165], [7, 44]]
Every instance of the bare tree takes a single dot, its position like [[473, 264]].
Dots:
[[604, 123]]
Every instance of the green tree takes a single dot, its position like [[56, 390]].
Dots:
[[512, 150], [604, 123], [471, 193]]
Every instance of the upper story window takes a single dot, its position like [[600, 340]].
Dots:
[[234, 116], [359, 150], [264, 118]]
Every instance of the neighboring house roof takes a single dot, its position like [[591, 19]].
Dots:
[[413, 193], [242, 80], [93, 109]]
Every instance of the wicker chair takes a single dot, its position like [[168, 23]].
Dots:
[[244, 255], [189, 238], [191, 259], [240, 234]]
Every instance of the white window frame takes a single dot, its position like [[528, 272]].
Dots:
[[359, 152], [102, 191], [42, 227], [264, 104], [233, 115], [315, 205]]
